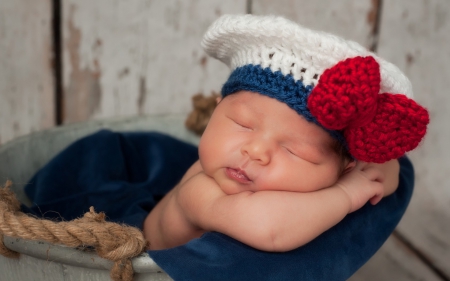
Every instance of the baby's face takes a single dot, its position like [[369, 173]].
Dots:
[[254, 142]]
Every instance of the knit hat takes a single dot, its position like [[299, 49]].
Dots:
[[360, 99]]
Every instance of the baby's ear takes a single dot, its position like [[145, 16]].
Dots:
[[350, 165], [218, 99]]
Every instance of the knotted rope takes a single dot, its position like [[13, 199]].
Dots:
[[203, 108], [112, 241]]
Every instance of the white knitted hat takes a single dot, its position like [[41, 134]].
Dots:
[[360, 99], [282, 45]]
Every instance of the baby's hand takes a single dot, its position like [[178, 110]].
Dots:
[[363, 183]]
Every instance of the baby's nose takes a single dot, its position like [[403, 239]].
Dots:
[[259, 150]]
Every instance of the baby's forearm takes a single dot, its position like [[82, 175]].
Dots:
[[276, 220], [312, 214]]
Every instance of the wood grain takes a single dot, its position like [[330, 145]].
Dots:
[[351, 19], [26, 80], [141, 57]]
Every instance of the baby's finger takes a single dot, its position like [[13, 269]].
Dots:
[[378, 190], [376, 199]]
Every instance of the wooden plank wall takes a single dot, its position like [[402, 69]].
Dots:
[[26, 72], [144, 57], [123, 59]]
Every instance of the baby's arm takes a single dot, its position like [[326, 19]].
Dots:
[[278, 220]]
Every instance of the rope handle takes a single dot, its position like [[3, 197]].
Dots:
[[112, 241]]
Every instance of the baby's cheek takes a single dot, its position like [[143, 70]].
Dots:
[[203, 151], [265, 183], [207, 159]]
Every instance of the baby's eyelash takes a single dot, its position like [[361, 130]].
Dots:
[[290, 151], [301, 155], [240, 124]]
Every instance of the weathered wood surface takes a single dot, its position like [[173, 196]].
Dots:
[[351, 19], [415, 35], [140, 57], [26, 74]]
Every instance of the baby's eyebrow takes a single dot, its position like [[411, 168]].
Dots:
[[299, 141], [247, 108]]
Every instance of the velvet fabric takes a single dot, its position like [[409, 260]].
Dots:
[[121, 174], [126, 174]]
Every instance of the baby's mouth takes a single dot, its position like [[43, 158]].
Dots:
[[237, 175]]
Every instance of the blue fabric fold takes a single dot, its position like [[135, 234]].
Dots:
[[121, 174], [126, 174]]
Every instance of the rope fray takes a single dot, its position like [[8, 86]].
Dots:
[[112, 241], [203, 108]]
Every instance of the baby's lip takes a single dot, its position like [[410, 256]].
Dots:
[[238, 175]]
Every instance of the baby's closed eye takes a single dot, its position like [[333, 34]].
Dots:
[[306, 155], [290, 151], [240, 123]]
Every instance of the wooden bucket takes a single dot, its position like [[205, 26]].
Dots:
[[22, 157]]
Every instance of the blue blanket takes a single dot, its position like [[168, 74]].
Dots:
[[126, 174]]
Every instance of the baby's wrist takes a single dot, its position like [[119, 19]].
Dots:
[[347, 196]]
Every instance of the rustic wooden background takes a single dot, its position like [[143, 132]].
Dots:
[[65, 61]]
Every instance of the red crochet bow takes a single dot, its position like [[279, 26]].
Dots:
[[377, 127]]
